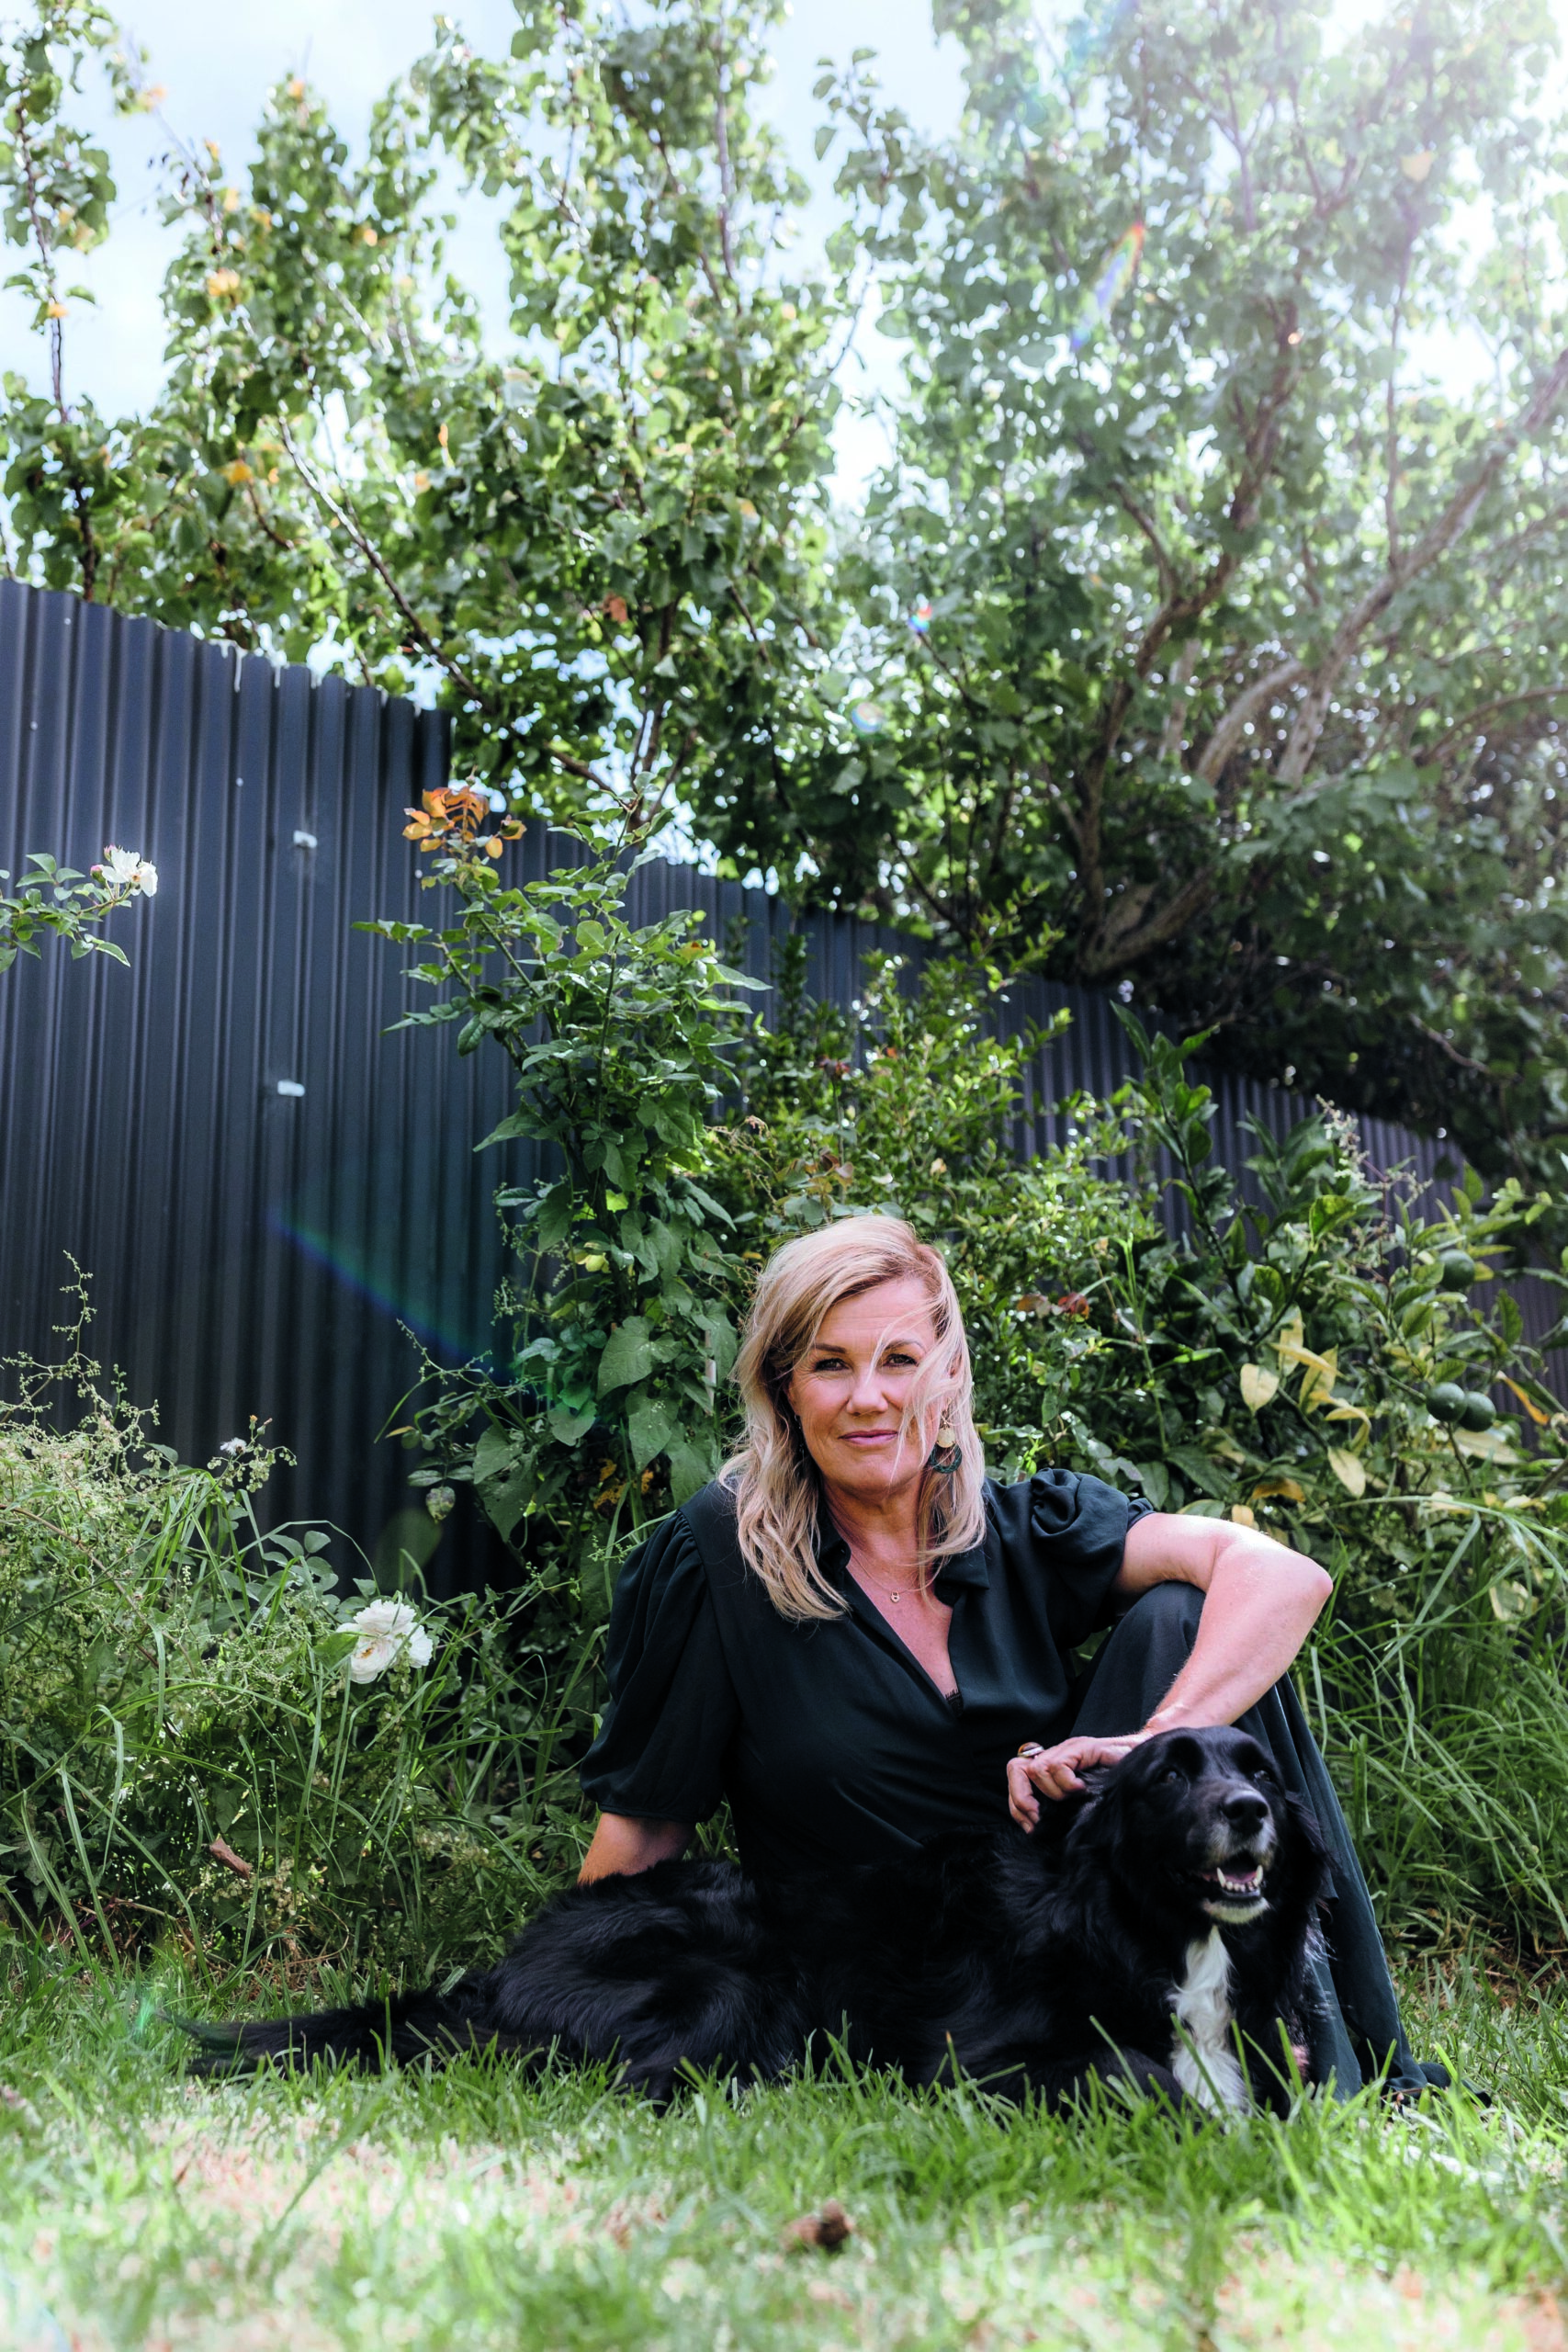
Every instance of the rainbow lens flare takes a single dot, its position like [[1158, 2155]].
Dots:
[[867, 717], [1116, 274], [921, 618]]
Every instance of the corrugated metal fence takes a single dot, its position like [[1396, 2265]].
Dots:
[[267, 1189]]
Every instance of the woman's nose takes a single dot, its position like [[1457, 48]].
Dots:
[[868, 1395]]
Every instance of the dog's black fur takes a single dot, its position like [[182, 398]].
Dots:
[[1029, 1964]]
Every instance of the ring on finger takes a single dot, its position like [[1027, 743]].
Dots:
[[1031, 1748]]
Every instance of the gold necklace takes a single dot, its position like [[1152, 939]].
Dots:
[[887, 1591]]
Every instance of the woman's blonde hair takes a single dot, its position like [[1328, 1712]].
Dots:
[[777, 1488]]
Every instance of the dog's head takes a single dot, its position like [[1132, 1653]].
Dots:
[[1195, 1821]]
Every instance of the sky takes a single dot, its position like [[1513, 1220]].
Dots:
[[216, 62]]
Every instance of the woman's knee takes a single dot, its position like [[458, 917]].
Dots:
[[1165, 1615], [1135, 1667], [1160, 1626]]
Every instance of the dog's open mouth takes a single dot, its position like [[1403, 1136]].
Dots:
[[1243, 1884]]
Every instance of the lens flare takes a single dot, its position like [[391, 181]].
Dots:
[[867, 717], [1116, 274], [921, 618], [374, 1265]]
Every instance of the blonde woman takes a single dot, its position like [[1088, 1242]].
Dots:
[[859, 1640]]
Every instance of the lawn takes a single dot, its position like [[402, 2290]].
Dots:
[[140, 2210]]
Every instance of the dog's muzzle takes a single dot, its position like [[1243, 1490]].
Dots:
[[1234, 1877]]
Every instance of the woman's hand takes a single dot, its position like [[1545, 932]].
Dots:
[[1053, 1772]]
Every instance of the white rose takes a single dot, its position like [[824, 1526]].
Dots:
[[119, 867], [387, 1630], [127, 869]]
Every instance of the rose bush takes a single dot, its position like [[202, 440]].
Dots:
[[56, 900]]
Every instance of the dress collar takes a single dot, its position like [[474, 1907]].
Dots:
[[965, 1569]]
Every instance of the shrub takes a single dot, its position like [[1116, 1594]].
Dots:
[[1319, 1363], [182, 1740], [1315, 1362], [183, 1744]]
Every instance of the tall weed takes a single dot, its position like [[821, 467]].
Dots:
[[182, 1746]]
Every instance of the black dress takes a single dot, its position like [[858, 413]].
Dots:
[[833, 1744]]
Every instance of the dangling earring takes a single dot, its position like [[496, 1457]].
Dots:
[[946, 1454]]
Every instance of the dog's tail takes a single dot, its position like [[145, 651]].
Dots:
[[402, 2028]]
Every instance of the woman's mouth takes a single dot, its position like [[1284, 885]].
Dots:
[[867, 1437]]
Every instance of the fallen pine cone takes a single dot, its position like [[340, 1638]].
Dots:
[[828, 2228]]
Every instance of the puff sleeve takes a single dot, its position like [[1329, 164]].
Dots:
[[1071, 1529], [672, 1712]]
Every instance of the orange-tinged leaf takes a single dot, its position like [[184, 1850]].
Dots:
[[1285, 1489], [1531, 1408]]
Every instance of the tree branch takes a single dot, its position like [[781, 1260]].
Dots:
[[1112, 953], [1449, 527], [1226, 735], [1472, 719], [1170, 574]]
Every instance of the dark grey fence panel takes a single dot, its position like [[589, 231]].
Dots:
[[267, 1252], [253, 1250]]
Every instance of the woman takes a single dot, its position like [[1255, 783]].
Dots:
[[860, 1641]]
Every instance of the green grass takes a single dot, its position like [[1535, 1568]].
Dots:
[[138, 2210]]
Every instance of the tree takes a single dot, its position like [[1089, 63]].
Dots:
[[606, 549], [1208, 612], [1201, 638]]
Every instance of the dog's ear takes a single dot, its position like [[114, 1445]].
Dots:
[[1060, 1816], [1304, 1822], [1308, 1856]]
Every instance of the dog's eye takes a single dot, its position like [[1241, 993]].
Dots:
[[1172, 1774]]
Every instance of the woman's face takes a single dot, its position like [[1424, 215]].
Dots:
[[848, 1390]]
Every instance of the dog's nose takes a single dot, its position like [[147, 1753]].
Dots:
[[1246, 1810]]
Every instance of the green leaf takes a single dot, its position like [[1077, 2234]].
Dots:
[[692, 1462], [505, 1502], [649, 1424], [1203, 1473], [627, 1356], [552, 1219], [569, 1427], [492, 1456], [1155, 1480]]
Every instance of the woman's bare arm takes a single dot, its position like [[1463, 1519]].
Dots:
[[625, 1844], [1260, 1601]]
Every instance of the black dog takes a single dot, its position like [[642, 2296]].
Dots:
[[1160, 1933]]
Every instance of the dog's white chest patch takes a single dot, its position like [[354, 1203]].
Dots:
[[1204, 2062]]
